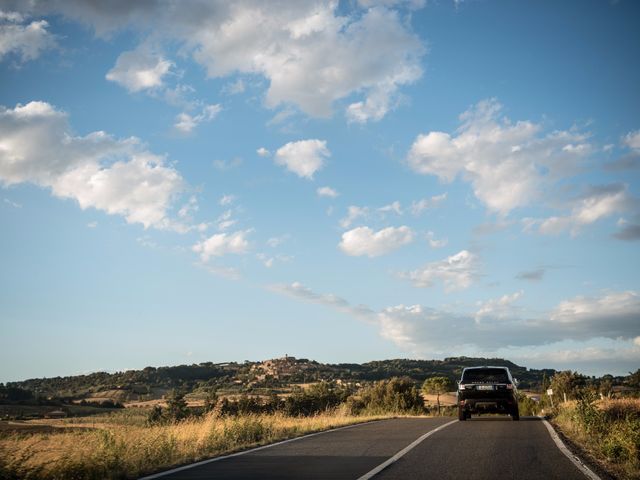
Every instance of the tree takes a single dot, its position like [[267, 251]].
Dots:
[[633, 380], [177, 406], [436, 386], [211, 400], [155, 415], [396, 395], [567, 383]]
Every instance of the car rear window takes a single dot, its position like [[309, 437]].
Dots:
[[485, 375]]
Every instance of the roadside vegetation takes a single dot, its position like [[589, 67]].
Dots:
[[602, 423], [136, 441]]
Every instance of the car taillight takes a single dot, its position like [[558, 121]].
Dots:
[[509, 386]]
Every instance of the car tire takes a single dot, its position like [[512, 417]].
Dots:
[[462, 415], [515, 415]]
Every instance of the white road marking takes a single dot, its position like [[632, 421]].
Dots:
[[563, 448], [403, 452], [244, 452]]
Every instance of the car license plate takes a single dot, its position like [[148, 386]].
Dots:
[[485, 387]]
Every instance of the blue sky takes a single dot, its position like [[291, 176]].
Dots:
[[208, 181]]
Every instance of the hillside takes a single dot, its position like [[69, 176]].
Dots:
[[277, 375]]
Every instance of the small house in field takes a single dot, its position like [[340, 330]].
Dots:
[[55, 414]]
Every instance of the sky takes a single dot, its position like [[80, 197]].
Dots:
[[183, 182]]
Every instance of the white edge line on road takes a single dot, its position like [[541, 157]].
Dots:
[[403, 452], [244, 452], [563, 448]]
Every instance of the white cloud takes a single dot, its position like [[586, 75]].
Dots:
[[225, 221], [364, 241], [394, 207], [353, 213], [311, 53], [226, 200], [23, 38], [434, 242], [595, 204], [188, 208], [263, 152], [327, 192], [222, 244], [93, 224], [304, 157], [498, 308], [632, 140], [186, 123], [455, 272], [224, 165], [498, 328], [12, 203], [508, 164], [274, 242], [266, 260], [98, 171], [140, 69], [612, 306], [299, 291], [427, 203], [234, 88]]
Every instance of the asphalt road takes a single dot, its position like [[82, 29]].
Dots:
[[481, 448]]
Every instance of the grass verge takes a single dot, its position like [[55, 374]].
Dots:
[[119, 445], [608, 431]]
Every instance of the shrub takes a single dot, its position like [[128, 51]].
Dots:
[[318, 398], [396, 395]]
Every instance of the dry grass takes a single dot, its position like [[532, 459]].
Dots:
[[120, 445], [609, 432]]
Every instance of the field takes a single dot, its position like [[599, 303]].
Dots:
[[608, 431], [121, 445]]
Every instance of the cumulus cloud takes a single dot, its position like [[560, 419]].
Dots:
[[139, 70], [185, 123], [509, 165], [455, 272], [98, 171], [222, 244], [304, 157], [327, 192], [364, 241], [24, 38], [498, 326], [311, 53], [596, 203], [498, 308]]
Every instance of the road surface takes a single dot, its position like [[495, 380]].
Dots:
[[481, 448]]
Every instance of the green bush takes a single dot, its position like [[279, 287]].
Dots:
[[318, 398], [396, 395]]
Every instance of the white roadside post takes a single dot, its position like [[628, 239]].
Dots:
[[550, 393]]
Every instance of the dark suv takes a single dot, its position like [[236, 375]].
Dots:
[[487, 390]]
